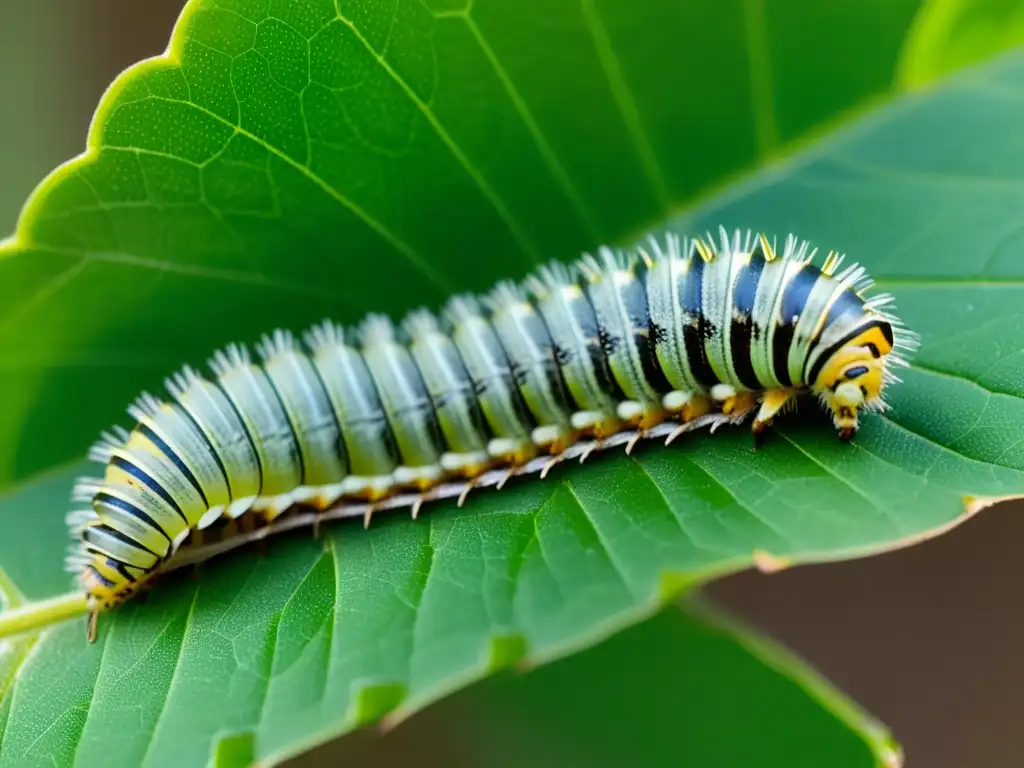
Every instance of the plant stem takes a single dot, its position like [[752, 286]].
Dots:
[[39, 614]]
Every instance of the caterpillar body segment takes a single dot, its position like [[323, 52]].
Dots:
[[620, 346]]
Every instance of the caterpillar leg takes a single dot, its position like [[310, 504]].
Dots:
[[588, 449], [772, 404], [845, 420], [272, 507], [594, 424], [734, 403], [421, 478], [739, 404], [509, 450], [547, 467], [416, 506], [643, 416], [552, 438], [466, 465], [513, 453], [370, 489], [465, 491], [685, 407]]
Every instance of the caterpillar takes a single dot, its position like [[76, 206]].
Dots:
[[627, 344]]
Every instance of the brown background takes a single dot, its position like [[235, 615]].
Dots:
[[928, 639]]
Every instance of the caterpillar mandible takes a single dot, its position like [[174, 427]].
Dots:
[[646, 342]]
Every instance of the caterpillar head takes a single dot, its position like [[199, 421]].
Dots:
[[854, 376]]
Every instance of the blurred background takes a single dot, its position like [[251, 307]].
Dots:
[[927, 639]]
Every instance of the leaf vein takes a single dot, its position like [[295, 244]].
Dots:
[[784, 538], [834, 474], [386, 234], [990, 466], [668, 504], [331, 618], [174, 674], [430, 552], [189, 270], [613, 560], [77, 738], [972, 382], [626, 104], [766, 129], [517, 231], [546, 151]]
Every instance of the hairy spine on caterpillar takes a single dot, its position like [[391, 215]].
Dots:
[[621, 346]]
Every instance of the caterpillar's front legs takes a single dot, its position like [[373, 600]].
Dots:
[[844, 402], [773, 403], [845, 420]]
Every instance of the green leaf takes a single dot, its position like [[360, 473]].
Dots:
[[285, 156], [676, 690], [950, 34], [287, 162]]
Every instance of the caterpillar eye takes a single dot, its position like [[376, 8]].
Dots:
[[854, 373]]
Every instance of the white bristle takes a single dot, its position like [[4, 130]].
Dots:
[[103, 449], [179, 383], [504, 294], [145, 405], [325, 334], [230, 358], [420, 323], [376, 329], [85, 488], [78, 519], [548, 279], [461, 308], [672, 249], [278, 343]]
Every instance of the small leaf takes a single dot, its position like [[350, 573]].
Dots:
[[689, 687]]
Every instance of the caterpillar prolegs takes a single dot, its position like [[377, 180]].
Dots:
[[625, 345]]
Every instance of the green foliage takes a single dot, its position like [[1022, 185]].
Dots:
[[289, 162], [286, 156], [950, 34], [662, 705]]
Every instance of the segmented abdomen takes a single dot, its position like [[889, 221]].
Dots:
[[615, 342]]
